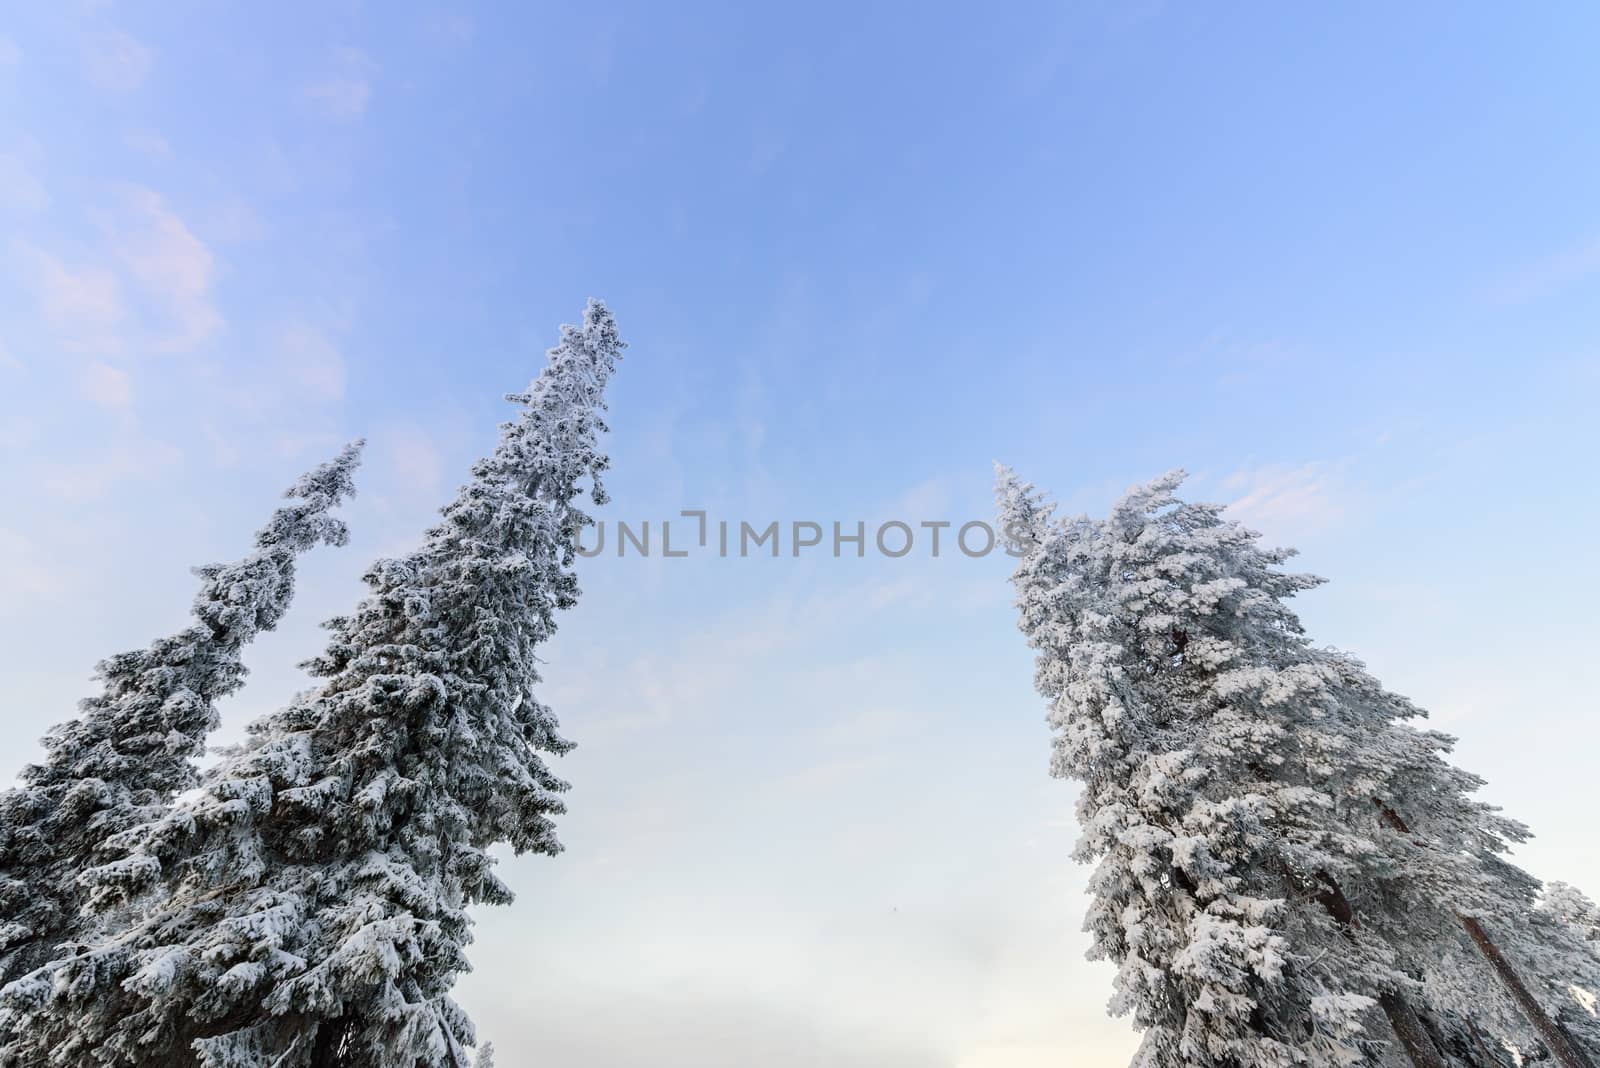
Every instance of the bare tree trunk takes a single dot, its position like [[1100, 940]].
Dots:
[[1555, 1037], [1408, 1028], [1466, 1046], [1477, 1040], [1483, 1049]]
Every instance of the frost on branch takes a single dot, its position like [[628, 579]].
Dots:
[[312, 900], [1243, 794], [133, 746]]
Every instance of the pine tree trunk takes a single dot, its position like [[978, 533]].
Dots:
[[1414, 1038], [1556, 1039], [1483, 1049], [1554, 1036], [1409, 1030], [1466, 1047]]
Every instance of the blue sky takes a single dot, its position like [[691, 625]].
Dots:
[[1340, 264]]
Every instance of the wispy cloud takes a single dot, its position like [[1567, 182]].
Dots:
[[133, 457], [1553, 272], [174, 266], [696, 673], [147, 143], [83, 305], [452, 27], [931, 499], [856, 742], [106, 386], [346, 92], [224, 453], [232, 219], [1286, 500], [115, 60], [149, 287]]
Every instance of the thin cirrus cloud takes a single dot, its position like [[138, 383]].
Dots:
[[149, 287], [346, 92], [134, 457], [1554, 272], [1284, 501], [147, 143], [173, 266], [115, 60], [107, 387], [83, 304]]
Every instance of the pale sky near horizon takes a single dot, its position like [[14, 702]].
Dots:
[[1343, 265]]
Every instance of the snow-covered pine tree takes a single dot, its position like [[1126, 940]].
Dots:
[[1238, 789], [1569, 909], [316, 888], [133, 746], [1215, 961]]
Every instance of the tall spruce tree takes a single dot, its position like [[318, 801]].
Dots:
[[133, 746], [309, 905], [1282, 860]]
